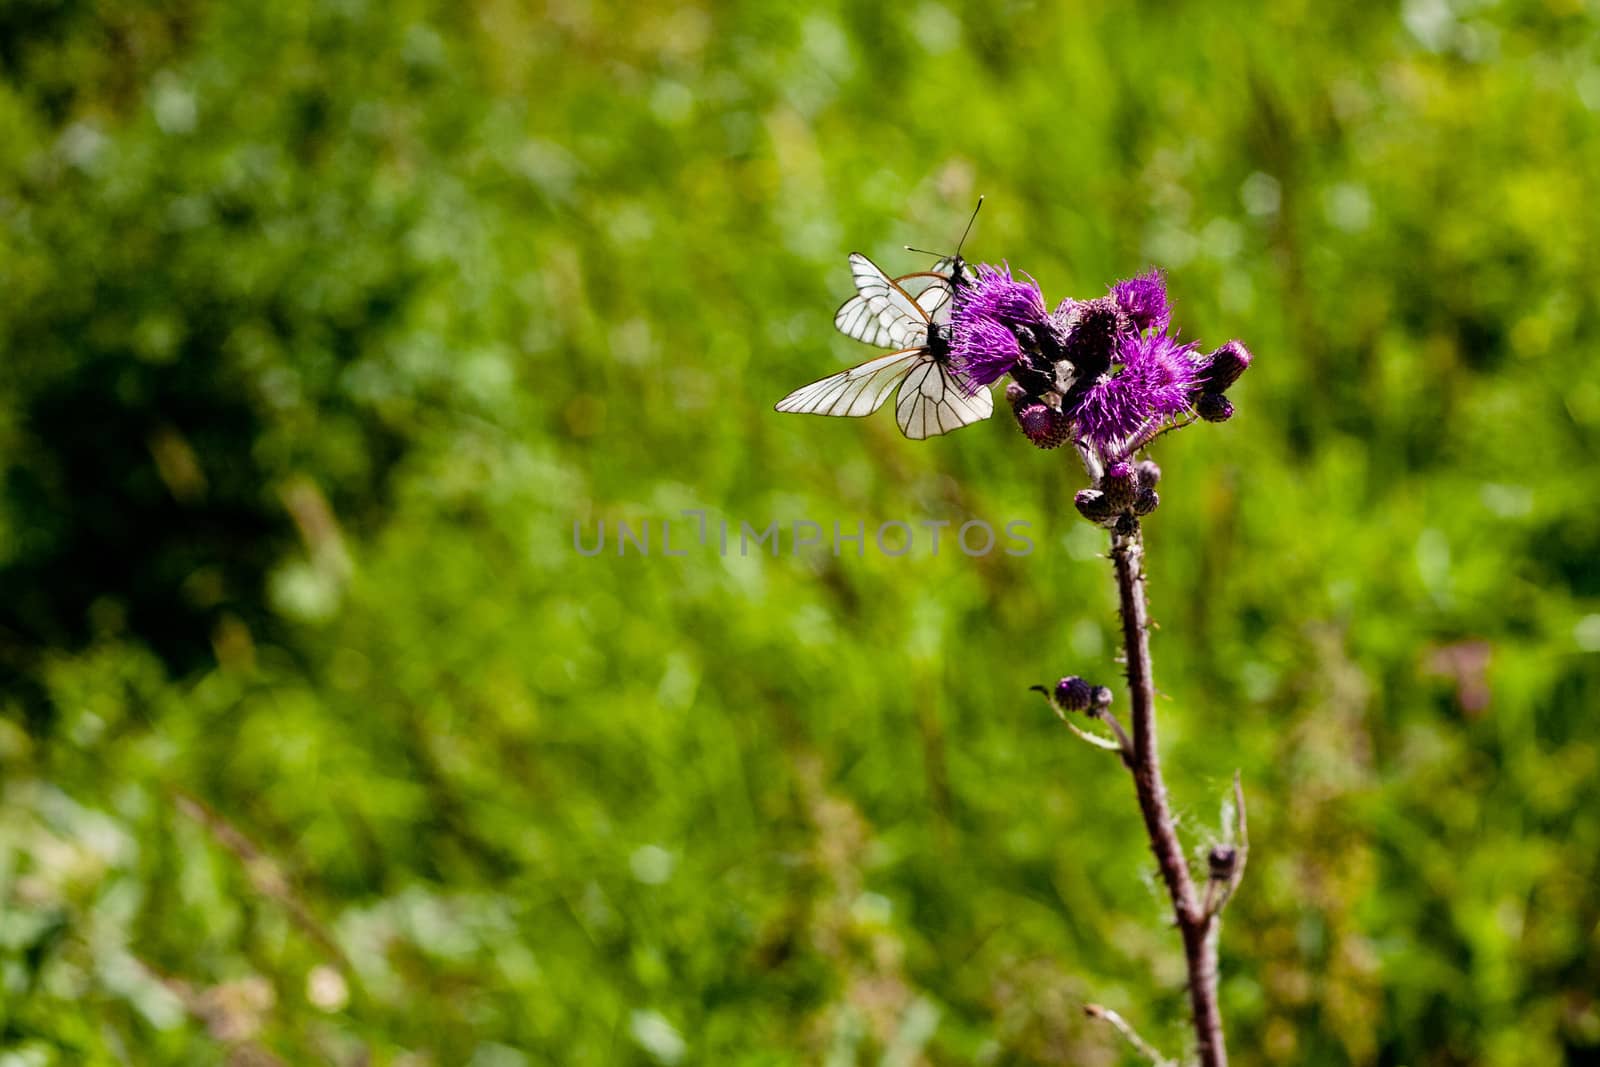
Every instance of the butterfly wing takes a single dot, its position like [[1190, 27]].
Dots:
[[884, 312], [881, 313], [935, 300], [932, 403], [935, 288], [861, 390]]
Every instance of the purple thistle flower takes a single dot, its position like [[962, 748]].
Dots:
[[1154, 382], [984, 345], [982, 352], [994, 294], [1144, 301]]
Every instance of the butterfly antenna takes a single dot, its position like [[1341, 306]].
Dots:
[[970, 221], [941, 255]]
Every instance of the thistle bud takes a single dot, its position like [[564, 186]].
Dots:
[[1091, 341], [1118, 485], [1149, 473], [1092, 505], [1074, 694], [1043, 426], [1222, 861], [1214, 407], [1100, 698], [1145, 501], [1223, 367]]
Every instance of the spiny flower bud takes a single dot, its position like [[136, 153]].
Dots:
[[1222, 861], [1043, 426], [1118, 485], [1074, 694], [1092, 505], [1145, 500], [1091, 342], [1223, 367], [1149, 473], [1214, 407]]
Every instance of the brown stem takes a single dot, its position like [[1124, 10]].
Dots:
[[1197, 926]]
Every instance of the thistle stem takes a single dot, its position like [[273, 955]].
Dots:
[[1197, 925]]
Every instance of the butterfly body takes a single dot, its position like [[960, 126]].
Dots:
[[930, 401]]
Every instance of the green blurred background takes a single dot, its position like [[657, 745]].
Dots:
[[322, 323]]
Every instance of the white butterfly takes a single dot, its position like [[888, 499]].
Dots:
[[883, 312]]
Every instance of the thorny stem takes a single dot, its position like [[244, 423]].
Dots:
[[1197, 925], [1124, 744], [1143, 438]]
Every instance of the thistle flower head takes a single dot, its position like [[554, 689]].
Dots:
[[988, 314], [1144, 301], [1153, 382], [1094, 330], [982, 351], [994, 294]]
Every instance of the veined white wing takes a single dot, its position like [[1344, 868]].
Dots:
[[861, 390], [936, 300], [932, 403], [881, 313], [935, 288]]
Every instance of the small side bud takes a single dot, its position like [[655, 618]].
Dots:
[[1222, 861], [1092, 505], [1118, 486], [1149, 473], [1223, 367], [1043, 426], [1146, 501], [1100, 698], [1214, 407], [1074, 694]]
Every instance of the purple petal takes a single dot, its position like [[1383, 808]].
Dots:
[[983, 351], [995, 294], [1154, 382], [1144, 300]]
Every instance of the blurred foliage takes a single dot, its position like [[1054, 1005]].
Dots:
[[324, 323]]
